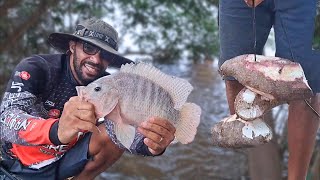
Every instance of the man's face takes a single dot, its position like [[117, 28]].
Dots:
[[86, 62]]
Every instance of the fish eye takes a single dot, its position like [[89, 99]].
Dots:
[[97, 89]]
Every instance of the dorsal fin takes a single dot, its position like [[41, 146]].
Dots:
[[178, 88]]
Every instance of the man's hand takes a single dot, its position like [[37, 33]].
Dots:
[[250, 2], [77, 116], [159, 134]]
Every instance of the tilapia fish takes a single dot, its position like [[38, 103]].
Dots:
[[142, 91], [269, 82]]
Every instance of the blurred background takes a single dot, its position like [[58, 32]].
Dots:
[[181, 38]]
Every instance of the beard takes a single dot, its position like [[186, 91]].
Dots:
[[77, 64]]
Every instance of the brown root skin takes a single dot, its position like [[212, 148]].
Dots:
[[250, 110], [229, 135], [248, 72]]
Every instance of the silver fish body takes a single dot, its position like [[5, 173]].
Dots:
[[141, 91], [140, 99]]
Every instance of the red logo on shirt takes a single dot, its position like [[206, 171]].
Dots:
[[24, 75], [54, 113]]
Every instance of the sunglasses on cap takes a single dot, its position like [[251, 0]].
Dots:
[[91, 49]]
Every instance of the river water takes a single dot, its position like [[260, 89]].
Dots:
[[199, 159]]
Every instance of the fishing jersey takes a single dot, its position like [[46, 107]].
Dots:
[[31, 107]]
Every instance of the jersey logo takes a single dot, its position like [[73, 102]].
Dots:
[[16, 122], [49, 103], [58, 148], [24, 75], [16, 85]]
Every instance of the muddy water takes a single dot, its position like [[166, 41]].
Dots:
[[198, 160]]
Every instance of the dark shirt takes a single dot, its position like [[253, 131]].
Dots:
[[32, 105]]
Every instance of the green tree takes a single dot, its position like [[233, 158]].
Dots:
[[25, 24], [167, 28], [162, 29]]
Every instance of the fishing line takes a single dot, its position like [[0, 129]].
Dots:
[[292, 58], [312, 108], [254, 30]]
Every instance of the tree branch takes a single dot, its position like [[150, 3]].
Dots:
[[7, 5], [22, 28]]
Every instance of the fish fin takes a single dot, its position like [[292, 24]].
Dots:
[[107, 105], [175, 140], [178, 88], [125, 134], [186, 128]]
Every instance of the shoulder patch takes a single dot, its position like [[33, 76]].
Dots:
[[24, 75]]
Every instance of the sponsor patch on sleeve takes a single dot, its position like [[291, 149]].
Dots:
[[24, 75]]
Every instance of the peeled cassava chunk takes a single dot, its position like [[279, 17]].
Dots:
[[280, 78], [233, 132], [250, 105]]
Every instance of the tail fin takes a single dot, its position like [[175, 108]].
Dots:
[[189, 121]]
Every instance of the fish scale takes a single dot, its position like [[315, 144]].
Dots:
[[142, 91], [149, 93]]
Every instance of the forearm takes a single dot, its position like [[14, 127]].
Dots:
[[18, 127], [22, 117], [20, 123]]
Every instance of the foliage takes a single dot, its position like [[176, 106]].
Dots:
[[25, 25], [162, 29], [165, 29]]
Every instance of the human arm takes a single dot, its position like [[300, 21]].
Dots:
[[21, 115], [24, 119], [77, 116]]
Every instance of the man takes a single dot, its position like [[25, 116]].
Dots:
[[293, 22], [47, 131]]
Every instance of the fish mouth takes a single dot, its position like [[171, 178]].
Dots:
[[79, 90]]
